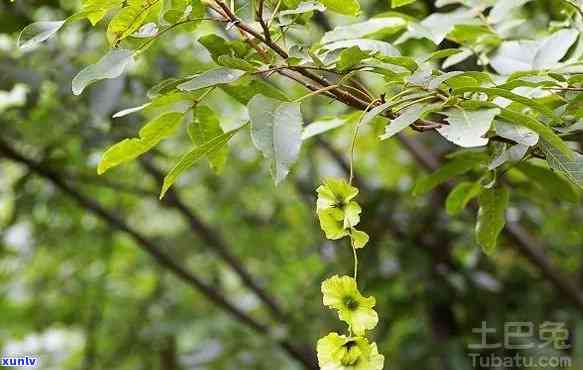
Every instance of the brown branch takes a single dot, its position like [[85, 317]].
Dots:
[[341, 94], [264, 25], [155, 251], [237, 22]]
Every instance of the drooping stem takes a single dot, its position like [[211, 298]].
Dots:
[[354, 140], [355, 260]]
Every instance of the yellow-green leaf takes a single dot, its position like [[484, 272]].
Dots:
[[150, 135], [95, 10], [128, 20], [204, 127], [190, 158], [346, 7]]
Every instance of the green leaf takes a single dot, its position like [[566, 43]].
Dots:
[[458, 165], [399, 3], [128, 20], [554, 48], [574, 108], [246, 88], [371, 114], [540, 128], [550, 182], [518, 134], [276, 130], [458, 82], [452, 60], [175, 102], [216, 46], [173, 11], [382, 47], [350, 57], [204, 127], [112, 65], [407, 117], [405, 62], [149, 136], [323, 125], [164, 87], [286, 16], [514, 56], [95, 10], [513, 154], [363, 29], [460, 196], [236, 63], [436, 26], [210, 78], [189, 159], [491, 217], [346, 7], [493, 91], [570, 166], [443, 53], [424, 78], [467, 34], [37, 32], [467, 128], [504, 9]]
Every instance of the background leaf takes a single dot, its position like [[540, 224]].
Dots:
[[362, 29], [491, 217]]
